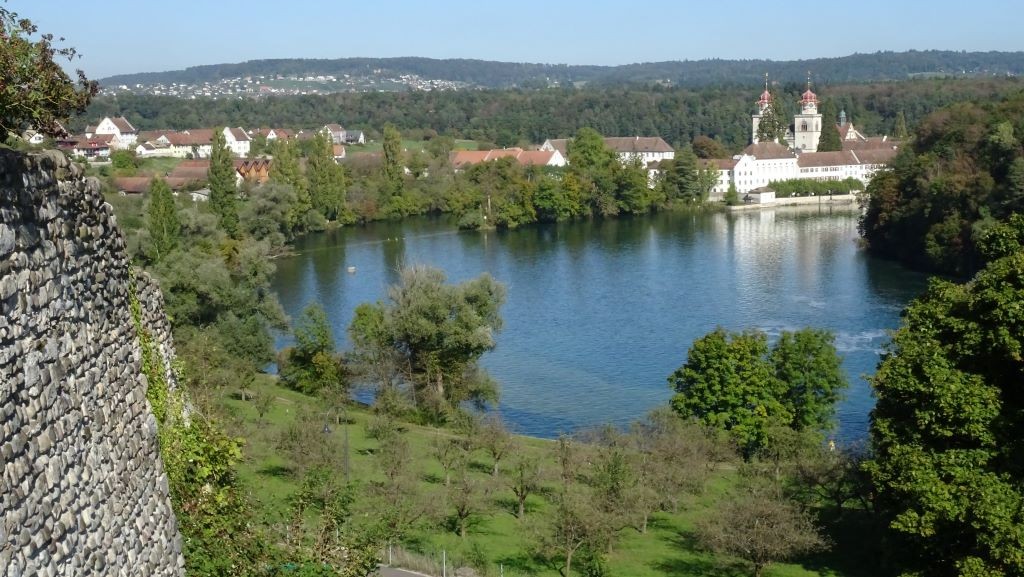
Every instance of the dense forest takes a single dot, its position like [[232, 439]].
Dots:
[[963, 173], [510, 117], [489, 74]]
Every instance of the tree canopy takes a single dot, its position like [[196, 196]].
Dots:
[[947, 429], [433, 334], [961, 174], [35, 91], [737, 383]]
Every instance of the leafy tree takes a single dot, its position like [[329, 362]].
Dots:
[[36, 92], [805, 361], [682, 178], [437, 332], [829, 140], [728, 383], [312, 364], [946, 430], [707, 147], [223, 192], [899, 130], [760, 528], [451, 453], [468, 497], [162, 218], [732, 196], [734, 382]]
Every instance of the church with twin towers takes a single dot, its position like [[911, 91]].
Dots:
[[764, 162]]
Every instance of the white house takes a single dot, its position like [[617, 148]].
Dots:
[[238, 141], [335, 132], [198, 142], [646, 149], [125, 135]]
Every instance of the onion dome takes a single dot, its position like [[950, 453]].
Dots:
[[809, 97], [766, 97]]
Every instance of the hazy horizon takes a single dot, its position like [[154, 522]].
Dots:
[[121, 38]]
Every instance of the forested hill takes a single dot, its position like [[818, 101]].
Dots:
[[490, 74]]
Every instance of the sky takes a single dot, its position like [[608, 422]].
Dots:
[[126, 36]]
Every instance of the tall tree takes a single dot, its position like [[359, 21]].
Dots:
[[829, 140], [899, 130], [947, 432], [36, 92], [285, 170], [326, 180], [772, 127], [392, 169], [162, 217], [223, 192]]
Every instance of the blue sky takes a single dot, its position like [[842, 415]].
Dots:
[[123, 36]]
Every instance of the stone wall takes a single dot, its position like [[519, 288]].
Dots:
[[83, 490]]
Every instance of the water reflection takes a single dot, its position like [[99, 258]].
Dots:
[[600, 312]]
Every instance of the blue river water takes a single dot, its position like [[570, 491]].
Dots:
[[599, 313]]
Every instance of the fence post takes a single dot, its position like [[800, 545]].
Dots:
[[444, 563]]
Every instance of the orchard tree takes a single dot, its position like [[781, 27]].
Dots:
[[35, 92], [947, 432], [760, 528]]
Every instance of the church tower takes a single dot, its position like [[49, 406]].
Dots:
[[762, 104], [807, 123]]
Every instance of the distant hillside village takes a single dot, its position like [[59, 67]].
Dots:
[[750, 172]]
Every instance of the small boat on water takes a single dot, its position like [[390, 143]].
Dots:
[[351, 269]]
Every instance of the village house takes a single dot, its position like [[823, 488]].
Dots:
[[98, 146], [646, 149], [335, 132], [125, 135], [238, 141]]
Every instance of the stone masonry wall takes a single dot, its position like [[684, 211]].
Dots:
[[83, 489]]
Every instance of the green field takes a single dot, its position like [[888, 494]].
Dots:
[[668, 547]]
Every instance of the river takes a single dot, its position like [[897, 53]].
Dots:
[[600, 313]]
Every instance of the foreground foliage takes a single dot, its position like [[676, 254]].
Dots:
[[947, 430]]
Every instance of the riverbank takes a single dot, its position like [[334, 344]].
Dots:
[[834, 200]]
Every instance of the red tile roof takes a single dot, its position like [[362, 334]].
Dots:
[[459, 158], [193, 137], [123, 125], [239, 134], [768, 151]]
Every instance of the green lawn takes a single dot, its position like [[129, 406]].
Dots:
[[668, 547]]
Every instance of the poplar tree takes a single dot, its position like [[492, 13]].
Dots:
[[285, 170], [830, 140], [326, 180], [223, 193], [392, 167], [162, 216], [900, 130]]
